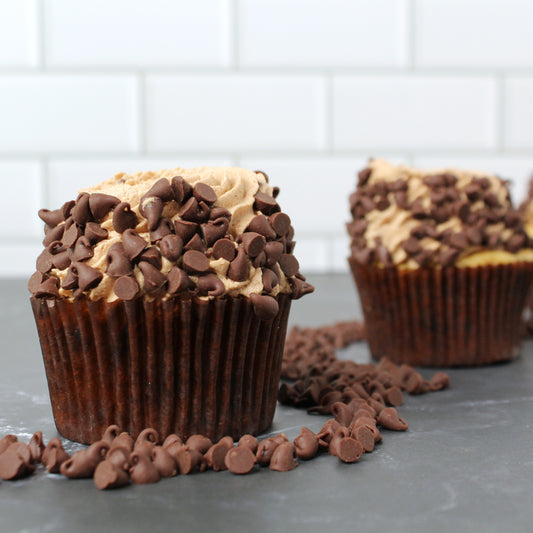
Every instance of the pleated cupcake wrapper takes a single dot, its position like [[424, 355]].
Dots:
[[444, 317], [180, 366]]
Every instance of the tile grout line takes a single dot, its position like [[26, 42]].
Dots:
[[233, 29], [409, 38], [40, 40]]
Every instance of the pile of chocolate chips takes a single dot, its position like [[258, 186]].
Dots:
[[322, 380], [117, 460], [200, 232]]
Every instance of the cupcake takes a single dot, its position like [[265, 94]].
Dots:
[[442, 265], [526, 211], [161, 300]]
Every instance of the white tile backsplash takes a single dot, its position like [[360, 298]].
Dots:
[[136, 33], [413, 112], [18, 33], [473, 33], [306, 90], [234, 112], [317, 33], [66, 113]]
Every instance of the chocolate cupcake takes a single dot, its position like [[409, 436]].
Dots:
[[161, 300], [442, 264]]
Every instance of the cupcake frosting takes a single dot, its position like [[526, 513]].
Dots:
[[206, 231], [409, 217]]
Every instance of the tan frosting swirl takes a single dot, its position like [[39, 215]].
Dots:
[[392, 226], [235, 189]]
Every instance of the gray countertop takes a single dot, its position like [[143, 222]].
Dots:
[[464, 465]]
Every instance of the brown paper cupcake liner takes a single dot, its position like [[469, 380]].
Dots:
[[180, 366], [444, 317]]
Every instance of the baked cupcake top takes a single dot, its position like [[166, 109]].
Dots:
[[414, 218], [526, 210], [207, 231]]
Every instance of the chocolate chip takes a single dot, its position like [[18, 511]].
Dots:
[[13, 466], [265, 307], [48, 288], [117, 261], [261, 225], [401, 199], [217, 212], [194, 211], [418, 211], [142, 470], [152, 210], [342, 413], [214, 230], [265, 203], [253, 243], [83, 463], [171, 247], [161, 189], [82, 249], [438, 197], [52, 218], [185, 229], [390, 419], [269, 279], [239, 460], [435, 180], [182, 189], [282, 459], [512, 219], [224, 248], [36, 447], [196, 243], [153, 256], [364, 436], [126, 288], [239, 268], [164, 228], [211, 285], [164, 462], [215, 456], [491, 199], [71, 233], [281, 223], [249, 441], [300, 287], [273, 251], [88, 277], [188, 460], [458, 240], [81, 212], [439, 381], [44, 262], [123, 217], [204, 193], [100, 204], [306, 444], [411, 246], [195, 262], [474, 235], [62, 260], [154, 279], [349, 450], [33, 285], [289, 264], [364, 175], [133, 244], [178, 281], [95, 233], [472, 192], [109, 476], [54, 234]]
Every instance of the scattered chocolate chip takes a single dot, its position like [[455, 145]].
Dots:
[[282, 459], [349, 450], [109, 476], [142, 470], [124, 217], [164, 462], [178, 281], [117, 261], [211, 285], [110, 433], [124, 440], [389, 419], [100, 204], [239, 268], [239, 460], [306, 444], [188, 460], [215, 456], [154, 279], [195, 262], [83, 463], [13, 466], [199, 443], [249, 441], [265, 450], [225, 249], [364, 436]]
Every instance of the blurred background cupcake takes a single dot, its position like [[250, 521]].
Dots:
[[442, 264]]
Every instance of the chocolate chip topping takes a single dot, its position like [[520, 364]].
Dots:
[[123, 217], [239, 268], [71, 234], [161, 189], [118, 263], [100, 204], [265, 307], [196, 243], [195, 262], [153, 256], [171, 247], [82, 250], [214, 230], [81, 212], [224, 248], [194, 211], [211, 285], [152, 210], [178, 281], [253, 243], [154, 279], [52, 218], [95, 233], [126, 288], [88, 277], [289, 264], [265, 203], [133, 244], [182, 189], [261, 225], [185, 229], [204, 193]]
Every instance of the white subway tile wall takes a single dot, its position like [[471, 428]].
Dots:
[[306, 90]]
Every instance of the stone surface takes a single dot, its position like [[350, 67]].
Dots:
[[464, 465]]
